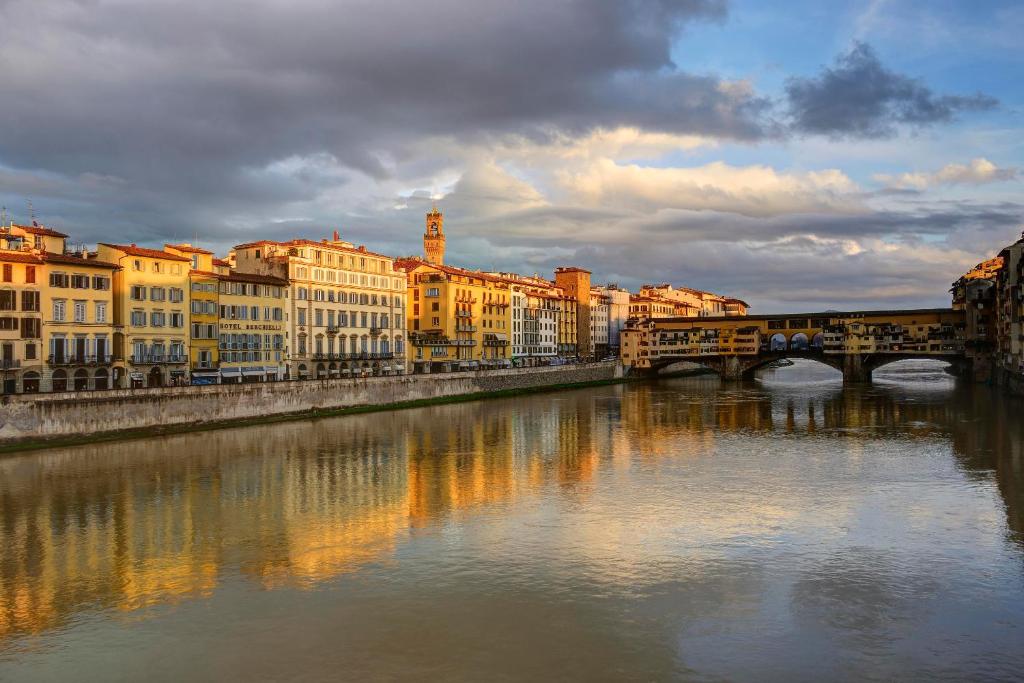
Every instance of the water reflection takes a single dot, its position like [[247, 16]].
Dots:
[[665, 494]]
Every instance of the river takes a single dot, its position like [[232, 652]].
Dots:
[[785, 529]]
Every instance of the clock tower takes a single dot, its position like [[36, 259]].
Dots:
[[433, 238]]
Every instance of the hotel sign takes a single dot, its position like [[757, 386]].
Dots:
[[251, 327]]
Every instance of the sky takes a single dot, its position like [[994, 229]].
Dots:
[[799, 155]]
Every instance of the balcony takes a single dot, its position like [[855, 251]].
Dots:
[[358, 355], [375, 331], [158, 359], [465, 328], [463, 314], [71, 359], [10, 363], [333, 329]]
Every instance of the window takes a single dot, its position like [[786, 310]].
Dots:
[[58, 310], [136, 264], [177, 320], [30, 275], [433, 291], [79, 311], [30, 350], [157, 294], [8, 272], [8, 300], [138, 293], [302, 316], [101, 311], [177, 295], [8, 323], [30, 328], [79, 281], [100, 282], [59, 280], [157, 319]]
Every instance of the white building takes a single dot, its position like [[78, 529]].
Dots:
[[618, 313]]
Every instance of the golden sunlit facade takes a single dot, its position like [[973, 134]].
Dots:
[[458, 319]]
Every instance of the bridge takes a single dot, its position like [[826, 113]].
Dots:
[[854, 342]]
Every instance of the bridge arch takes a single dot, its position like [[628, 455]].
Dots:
[[799, 342], [777, 342]]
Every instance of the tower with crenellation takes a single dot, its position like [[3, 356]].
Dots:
[[433, 238]]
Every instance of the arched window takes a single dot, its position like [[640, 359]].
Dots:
[[81, 379], [30, 383], [102, 379], [59, 380]]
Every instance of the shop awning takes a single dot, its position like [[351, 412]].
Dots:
[[231, 371], [205, 373], [253, 371]]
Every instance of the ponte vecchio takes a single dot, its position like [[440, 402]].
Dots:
[[854, 342]]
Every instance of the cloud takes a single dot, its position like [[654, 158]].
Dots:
[[750, 190], [859, 97], [978, 172]]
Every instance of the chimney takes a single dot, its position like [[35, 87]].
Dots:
[[336, 236]]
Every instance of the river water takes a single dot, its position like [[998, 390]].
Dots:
[[783, 529]]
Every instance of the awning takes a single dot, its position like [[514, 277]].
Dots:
[[253, 371], [231, 371], [205, 373]]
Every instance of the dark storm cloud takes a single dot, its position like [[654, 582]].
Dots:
[[859, 97], [161, 95]]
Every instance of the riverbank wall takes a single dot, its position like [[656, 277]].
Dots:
[[28, 421]]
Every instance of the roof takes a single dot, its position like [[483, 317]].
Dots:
[[819, 314], [326, 244], [40, 230], [188, 248], [571, 269], [221, 262], [134, 250], [413, 263], [253, 278], [19, 257], [71, 259]]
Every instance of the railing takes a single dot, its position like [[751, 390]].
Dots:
[[465, 328], [9, 363], [154, 359], [72, 359], [359, 355], [375, 331]]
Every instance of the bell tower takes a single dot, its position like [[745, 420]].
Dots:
[[433, 238]]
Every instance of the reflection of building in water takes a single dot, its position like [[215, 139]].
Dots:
[[118, 527], [459, 457]]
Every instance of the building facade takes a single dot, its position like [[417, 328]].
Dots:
[[458, 319], [78, 323], [151, 315], [252, 328], [346, 306], [575, 282]]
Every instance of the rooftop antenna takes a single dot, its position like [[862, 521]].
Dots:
[[3, 216], [32, 214]]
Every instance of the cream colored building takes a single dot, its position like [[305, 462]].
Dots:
[[346, 306]]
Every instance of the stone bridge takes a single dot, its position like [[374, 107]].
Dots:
[[855, 342]]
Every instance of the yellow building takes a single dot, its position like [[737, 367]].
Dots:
[[150, 315], [78, 323], [458, 319], [204, 311], [20, 317], [253, 328]]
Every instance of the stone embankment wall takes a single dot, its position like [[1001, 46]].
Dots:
[[27, 418]]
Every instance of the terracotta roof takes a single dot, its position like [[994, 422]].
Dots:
[[133, 250], [311, 243], [188, 248], [40, 230], [205, 273], [19, 257], [71, 259], [254, 278]]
